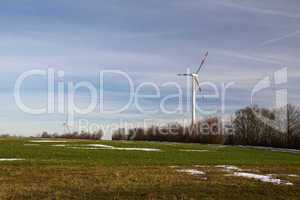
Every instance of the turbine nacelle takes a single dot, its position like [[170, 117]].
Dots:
[[192, 75]]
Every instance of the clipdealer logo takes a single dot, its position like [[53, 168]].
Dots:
[[278, 80]]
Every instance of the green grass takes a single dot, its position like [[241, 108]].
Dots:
[[46, 154], [50, 172]]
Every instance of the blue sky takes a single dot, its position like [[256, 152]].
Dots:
[[151, 41]]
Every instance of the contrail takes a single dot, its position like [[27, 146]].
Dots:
[[279, 38], [260, 10], [249, 57]]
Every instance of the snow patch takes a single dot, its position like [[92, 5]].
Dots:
[[135, 149], [200, 166], [193, 172], [59, 145], [87, 148], [100, 145], [293, 175], [117, 148], [263, 178], [229, 168], [272, 149], [193, 150], [48, 141], [11, 159]]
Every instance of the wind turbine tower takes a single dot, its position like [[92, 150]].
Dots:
[[195, 84]]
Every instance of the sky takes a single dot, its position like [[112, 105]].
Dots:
[[150, 41]]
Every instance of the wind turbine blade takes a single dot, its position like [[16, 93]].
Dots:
[[202, 62], [197, 81], [183, 74]]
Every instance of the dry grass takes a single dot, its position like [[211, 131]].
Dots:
[[135, 183]]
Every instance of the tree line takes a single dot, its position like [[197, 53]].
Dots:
[[97, 135], [250, 126]]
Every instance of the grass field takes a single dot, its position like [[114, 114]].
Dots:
[[76, 169]]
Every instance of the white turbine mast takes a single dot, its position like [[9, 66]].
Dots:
[[195, 80], [66, 127]]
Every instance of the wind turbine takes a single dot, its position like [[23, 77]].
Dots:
[[195, 80], [66, 127]]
